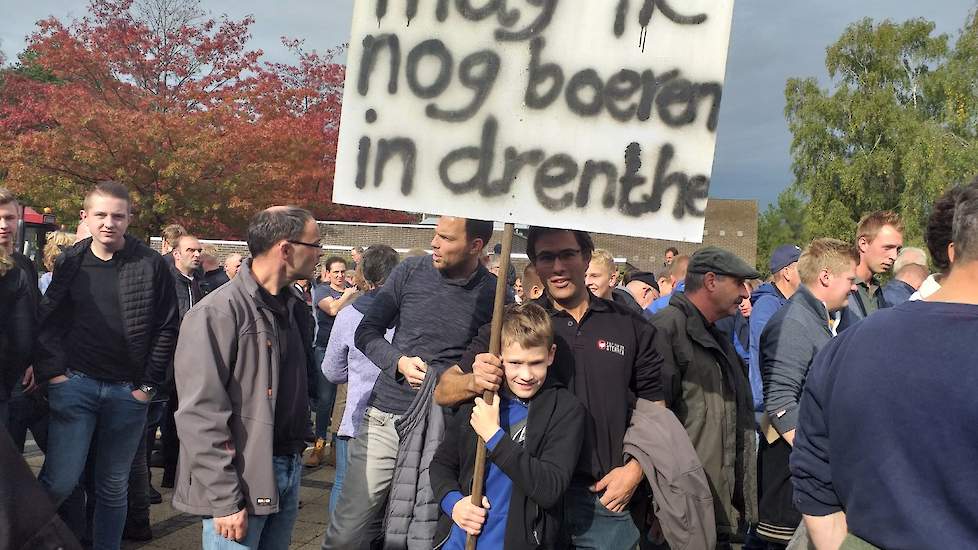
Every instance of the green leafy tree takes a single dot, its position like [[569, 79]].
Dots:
[[897, 126], [783, 223]]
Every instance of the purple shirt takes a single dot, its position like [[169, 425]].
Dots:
[[344, 363]]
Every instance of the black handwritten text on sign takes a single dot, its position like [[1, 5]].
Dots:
[[597, 115]]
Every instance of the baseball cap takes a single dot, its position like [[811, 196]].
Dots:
[[783, 256]]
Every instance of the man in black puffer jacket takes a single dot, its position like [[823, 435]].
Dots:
[[108, 330]]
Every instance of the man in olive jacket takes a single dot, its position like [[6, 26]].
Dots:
[[707, 386], [240, 372]]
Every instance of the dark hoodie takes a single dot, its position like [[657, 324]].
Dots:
[[766, 301], [540, 469]]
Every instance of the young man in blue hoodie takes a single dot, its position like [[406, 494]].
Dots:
[[767, 300], [533, 432]]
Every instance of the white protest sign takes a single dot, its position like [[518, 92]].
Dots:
[[587, 114]]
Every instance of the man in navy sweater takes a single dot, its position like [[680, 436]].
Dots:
[[887, 442], [436, 304]]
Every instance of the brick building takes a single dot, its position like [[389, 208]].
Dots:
[[730, 224]]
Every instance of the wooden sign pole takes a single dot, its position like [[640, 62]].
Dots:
[[495, 344]]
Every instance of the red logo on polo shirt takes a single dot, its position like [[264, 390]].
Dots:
[[602, 344]]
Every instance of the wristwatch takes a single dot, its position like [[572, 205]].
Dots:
[[148, 390]]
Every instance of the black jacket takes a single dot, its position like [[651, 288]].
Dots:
[[213, 279], [623, 297], [16, 326], [25, 264], [149, 311], [188, 291], [540, 472], [28, 519]]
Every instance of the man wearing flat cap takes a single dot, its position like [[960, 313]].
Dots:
[[707, 387]]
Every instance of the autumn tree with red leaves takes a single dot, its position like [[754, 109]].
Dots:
[[157, 95]]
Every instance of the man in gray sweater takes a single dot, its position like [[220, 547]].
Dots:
[[436, 304], [788, 345]]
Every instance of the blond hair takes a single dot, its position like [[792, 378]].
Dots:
[[112, 189], [604, 257], [531, 278], [872, 223], [7, 197], [527, 325], [677, 270], [172, 233], [56, 242], [831, 254]]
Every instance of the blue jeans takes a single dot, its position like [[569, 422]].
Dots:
[[325, 397], [591, 525], [271, 532], [87, 412], [340, 444]]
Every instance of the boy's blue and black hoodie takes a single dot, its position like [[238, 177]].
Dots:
[[531, 478]]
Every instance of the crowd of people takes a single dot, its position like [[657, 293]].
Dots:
[[828, 405]]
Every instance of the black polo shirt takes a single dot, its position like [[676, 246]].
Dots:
[[607, 361]]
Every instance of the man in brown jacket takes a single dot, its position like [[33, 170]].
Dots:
[[706, 384], [240, 372]]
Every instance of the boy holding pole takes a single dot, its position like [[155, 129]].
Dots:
[[533, 434]]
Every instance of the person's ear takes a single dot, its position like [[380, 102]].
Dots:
[[287, 249], [551, 354], [950, 252], [863, 244], [710, 281], [825, 277]]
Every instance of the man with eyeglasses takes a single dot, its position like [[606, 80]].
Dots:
[[605, 354], [240, 371]]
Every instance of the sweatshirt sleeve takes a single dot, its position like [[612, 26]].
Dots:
[[811, 471], [335, 364], [202, 370], [479, 344], [369, 338], [647, 373], [764, 309], [786, 355], [545, 478]]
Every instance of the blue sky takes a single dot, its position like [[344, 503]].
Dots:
[[771, 41]]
